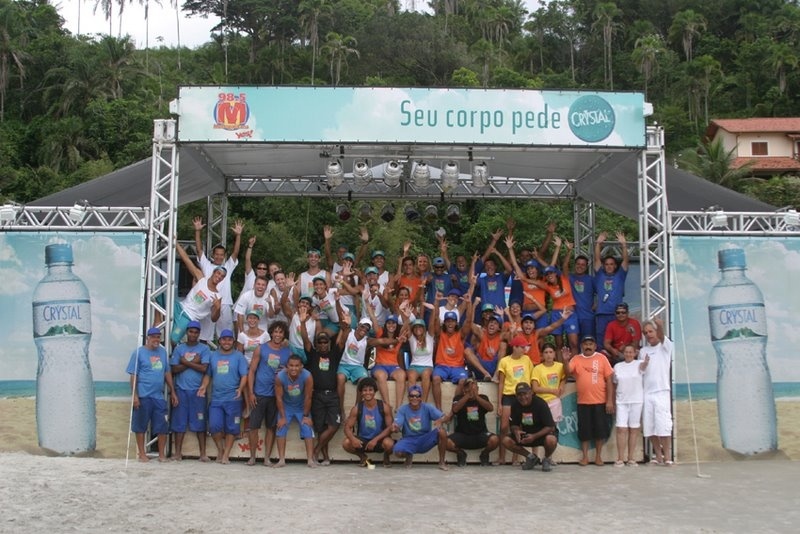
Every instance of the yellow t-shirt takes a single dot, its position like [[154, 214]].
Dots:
[[514, 372], [549, 377]]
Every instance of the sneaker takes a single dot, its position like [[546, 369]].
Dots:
[[546, 465], [462, 458], [485, 458], [530, 462]]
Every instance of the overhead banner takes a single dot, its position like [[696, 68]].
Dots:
[[734, 316], [411, 115]]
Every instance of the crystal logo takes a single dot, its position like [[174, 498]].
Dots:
[[591, 118]]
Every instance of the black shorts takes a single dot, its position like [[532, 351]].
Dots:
[[507, 400], [378, 446], [325, 410], [538, 442], [470, 441], [266, 410], [593, 422]]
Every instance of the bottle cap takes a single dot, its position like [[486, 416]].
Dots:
[[58, 253], [731, 258]]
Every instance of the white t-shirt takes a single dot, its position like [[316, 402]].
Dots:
[[223, 287], [657, 373], [628, 379], [250, 301], [327, 306], [422, 356], [249, 344], [199, 300], [295, 337], [307, 282], [354, 349]]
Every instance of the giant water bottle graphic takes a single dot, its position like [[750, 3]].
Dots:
[[62, 330], [745, 403]]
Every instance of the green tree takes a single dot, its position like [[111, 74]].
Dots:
[[645, 56], [605, 15], [12, 48], [685, 27], [337, 47], [310, 13], [711, 161], [782, 57]]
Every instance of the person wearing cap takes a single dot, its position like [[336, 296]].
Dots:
[[513, 319], [593, 381], [449, 360], [453, 302], [373, 298], [252, 336], [326, 300], [421, 345], [469, 410], [203, 301], [294, 388], [256, 299], [535, 336], [389, 363], [378, 259], [305, 285], [368, 427], [609, 282], [304, 308], [439, 283], [422, 427], [491, 284], [487, 346], [354, 361], [324, 356], [511, 370], [188, 363], [461, 271], [150, 371], [532, 426], [533, 295], [227, 370], [623, 330], [218, 259], [268, 359]]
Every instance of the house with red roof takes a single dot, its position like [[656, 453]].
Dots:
[[771, 144]]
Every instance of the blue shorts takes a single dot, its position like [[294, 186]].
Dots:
[[153, 412], [306, 431], [420, 369], [189, 413], [489, 365], [388, 369], [417, 444], [225, 416], [353, 316], [330, 326], [299, 351], [450, 374], [570, 326], [179, 322], [351, 372]]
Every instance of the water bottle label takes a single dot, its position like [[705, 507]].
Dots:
[[61, 318], [736, 321]]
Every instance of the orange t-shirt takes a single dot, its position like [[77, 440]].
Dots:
[[450, 350], [387, 355], [533, 352], [590, 377], [531, 292], [489, 347], [562, 298], [413, 283]]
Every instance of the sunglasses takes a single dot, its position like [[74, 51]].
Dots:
[[621, 312], [415, 396]]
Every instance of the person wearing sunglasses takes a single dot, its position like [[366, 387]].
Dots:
[[422, 427]]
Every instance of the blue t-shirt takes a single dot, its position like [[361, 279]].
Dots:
[[415, 423], [226, 370], [492, 289], [371, 423], [583, 293], [462, 277], [149, 366], [610, 290], [189, 379], [439, 283], [293, 390], [272, 361]]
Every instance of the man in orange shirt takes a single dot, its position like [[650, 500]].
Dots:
[[593, 376], [449, 360]]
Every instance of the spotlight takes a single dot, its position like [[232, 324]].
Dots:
[[431, 213], [343, 212], [392, 171], [453, 213], [365, 212], [719, 219], [449, 176], [8, 212], [335, 173], [421, 174], [78, 211], [480, 174], [411, 213], [362, 174], [791, 218], [387, 213]]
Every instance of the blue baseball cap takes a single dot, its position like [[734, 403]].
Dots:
[[415, 389], [550, 269], [378, 253], [487, 307], [454, 291], [154, 331], [451, 315], [532, 263], [392, 318], [438, 262], [349, 256], [226, 333], [417, 322], [193, 324], [528, 317]]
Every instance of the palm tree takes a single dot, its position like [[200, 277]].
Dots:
[[338, 47], [118, 62], [711, 161], [485, 52], [782, 56], [12, 49], [310, 13], [687, 25], [107, 8], [605, 14], [177, 6], [645, 55], [708, 69]]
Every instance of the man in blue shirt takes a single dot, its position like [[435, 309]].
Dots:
[[149, 370], [189, 362], [421, 425], [609, 282], [227, 368], [294, 387]]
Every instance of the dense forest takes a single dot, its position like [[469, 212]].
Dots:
[[75, 107]]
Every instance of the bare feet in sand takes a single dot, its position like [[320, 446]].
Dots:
[[251, 461], [281, 463], [143, 459], [204, 459], [443, 466]]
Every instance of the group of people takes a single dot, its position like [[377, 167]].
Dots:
[[287, 346]]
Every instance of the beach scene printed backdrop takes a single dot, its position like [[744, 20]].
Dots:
[[112, 265], [773, 264]]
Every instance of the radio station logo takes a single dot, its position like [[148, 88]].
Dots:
[[232, 112], [591, 118]]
